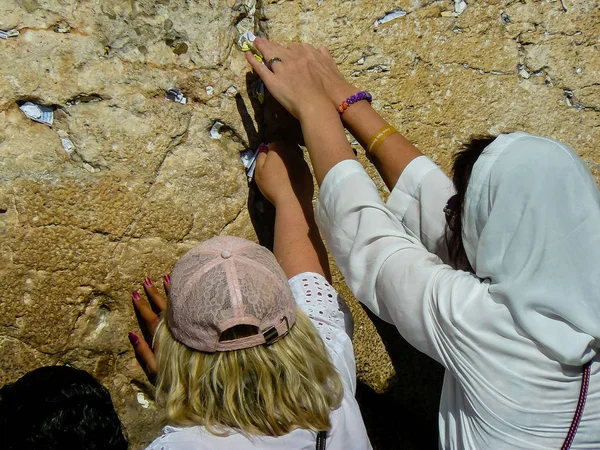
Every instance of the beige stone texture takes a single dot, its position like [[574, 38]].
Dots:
[[145, 180]]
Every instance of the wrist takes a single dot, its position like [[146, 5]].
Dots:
[[290, 203], [341, 92], [294, 211], [316, 110]]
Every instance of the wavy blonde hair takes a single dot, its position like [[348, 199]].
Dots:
[[263, 390]]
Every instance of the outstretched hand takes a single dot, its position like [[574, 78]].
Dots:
[[283, 176], [303, 75], [148, 316]]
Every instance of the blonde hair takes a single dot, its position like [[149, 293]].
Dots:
[[262, 390]]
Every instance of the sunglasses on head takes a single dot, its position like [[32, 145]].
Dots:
[[451, 211]]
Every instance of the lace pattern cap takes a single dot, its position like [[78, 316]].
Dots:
[[224, 282]]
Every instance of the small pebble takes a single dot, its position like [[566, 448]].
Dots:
[[89, 167]]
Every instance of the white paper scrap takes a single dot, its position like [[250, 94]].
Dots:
[[246, 41], [248, 157], [215, 130], [38, 113], [248, 7], [9, 33], [459, 6], [175, 95], [390, 16], [142, 400], [250, 173], [66, 142], [523, 72]]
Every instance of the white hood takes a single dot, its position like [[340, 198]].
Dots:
[[532, 227]]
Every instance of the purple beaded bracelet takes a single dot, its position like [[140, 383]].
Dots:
[[362, 95]]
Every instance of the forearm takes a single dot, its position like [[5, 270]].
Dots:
[[393, 154], [324, 137], [297, 244], [362, 234]]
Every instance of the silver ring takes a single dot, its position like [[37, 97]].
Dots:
[[273, 60]]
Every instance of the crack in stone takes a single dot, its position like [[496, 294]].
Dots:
[[52, 29], [231, 221], [187, 233], [112, 237], [562, 4], [476, 69], [175, 141], [145, 65], [30, 346]]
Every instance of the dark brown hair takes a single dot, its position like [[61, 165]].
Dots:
[[463, 166]]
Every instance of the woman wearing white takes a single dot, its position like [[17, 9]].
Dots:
[[516, 330]]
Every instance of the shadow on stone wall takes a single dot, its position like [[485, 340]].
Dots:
[[405, 415]]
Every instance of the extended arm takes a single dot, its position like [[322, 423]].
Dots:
[[310, 86], [284, 178], [325, 87]]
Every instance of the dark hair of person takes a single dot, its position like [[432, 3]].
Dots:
[[59, 407], [463, 166]]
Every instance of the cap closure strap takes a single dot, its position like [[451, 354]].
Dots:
[[272, 335]]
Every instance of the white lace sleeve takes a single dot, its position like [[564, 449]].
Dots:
[[332, 319]]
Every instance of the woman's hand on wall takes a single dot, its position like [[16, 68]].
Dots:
[[300, 75], [148, 314], [283, 176]]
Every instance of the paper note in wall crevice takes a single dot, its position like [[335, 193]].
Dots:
[[390, 16], [246, 44], [249, 158], [9, 33], [215, 130], [175, 95], [38, 113]]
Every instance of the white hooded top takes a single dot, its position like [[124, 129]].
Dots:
[[533, 229], [512, 337]]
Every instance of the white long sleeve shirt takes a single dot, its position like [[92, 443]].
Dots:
[[500, 391]]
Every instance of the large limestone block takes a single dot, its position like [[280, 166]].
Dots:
[[141, 179]]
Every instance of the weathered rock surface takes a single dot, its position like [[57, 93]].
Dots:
[[145, 181]]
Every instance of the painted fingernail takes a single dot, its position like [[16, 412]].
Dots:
[[148, 282], [263, 149], [136, 295], [167, 278], [133, 338]]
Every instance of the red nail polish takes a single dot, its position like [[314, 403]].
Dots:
[[136, 295], [263, 148], [133, 338], [167, 278], [148, 282]]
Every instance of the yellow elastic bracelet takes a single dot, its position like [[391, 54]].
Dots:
[[379, 137]]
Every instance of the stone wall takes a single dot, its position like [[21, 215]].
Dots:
[[143, 179]]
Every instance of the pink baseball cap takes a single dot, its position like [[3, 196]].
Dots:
[[224, 282]]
